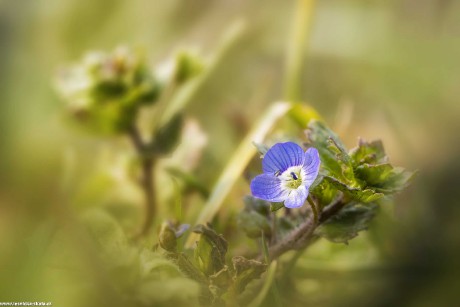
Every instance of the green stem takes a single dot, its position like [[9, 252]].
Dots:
[[313, 208], [266, 287], [296, 49]]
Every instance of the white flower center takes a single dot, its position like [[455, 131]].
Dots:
[[292, 177]]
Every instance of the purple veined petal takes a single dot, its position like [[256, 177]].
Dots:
[[268, 187], [297, 197], [282, 156], [310, 166]]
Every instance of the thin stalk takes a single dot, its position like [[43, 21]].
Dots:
[[183, 96], [265, 248], [292, 262], [313, 208], [273, 286], [148, 186], [147, 183], [304, 234], [266, 287]]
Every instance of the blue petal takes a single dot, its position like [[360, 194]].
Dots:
[[297, 197], [282, 156], [311, 166], [268, 187]]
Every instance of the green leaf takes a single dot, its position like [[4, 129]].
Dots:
[[221, 279], [190, 181], [210, 251], [276, 206], [355, 193], [119, 259], [284, 225], [374, 175], [163, 283], [398, 180], [324, 192], [187, 267], [347, 223], [384, 177], [253, 224], [334, 157], [256, 204], [167, 136], [106, 232], [372, 153], [187, 66], [245, 271]]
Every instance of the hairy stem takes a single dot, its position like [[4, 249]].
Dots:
[[302, 235], [147, 183]]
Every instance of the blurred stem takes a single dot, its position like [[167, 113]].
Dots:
[[296, 49], [182, 97], [148, 161], [292, 262], [148, 187], [265, 248], [266, 287], [163, 101], [272, 285]]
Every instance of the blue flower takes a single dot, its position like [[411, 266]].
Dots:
[[288, 174]]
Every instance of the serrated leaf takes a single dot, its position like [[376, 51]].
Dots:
[[334, 157], [253, 224], [187, 267], [372, 153], [246, 270], [384, 177], [347, 223], [221, 279], [374, 175], [211, 250], [356, 193]]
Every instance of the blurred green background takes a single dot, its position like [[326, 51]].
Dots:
[[374, 69]]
